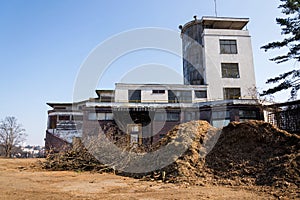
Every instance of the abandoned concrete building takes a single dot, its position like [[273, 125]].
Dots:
[[218, 72]]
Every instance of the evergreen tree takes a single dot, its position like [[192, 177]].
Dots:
[[290, 27]]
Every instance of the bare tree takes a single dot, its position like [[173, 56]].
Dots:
[[11, 134]]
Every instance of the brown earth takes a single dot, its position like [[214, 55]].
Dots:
[[253, 155], [24, 179]]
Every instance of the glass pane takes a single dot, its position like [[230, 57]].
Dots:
[[109, 116], [92, 116]]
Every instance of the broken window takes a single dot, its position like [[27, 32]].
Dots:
[[228, 47], [232, 93], [230, 70]]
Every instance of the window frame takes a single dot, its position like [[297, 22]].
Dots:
[[134, 96], [173, 117], [158, 91], [100, 116], [202, 94], [226, 97], [228, 46], [230, 70]]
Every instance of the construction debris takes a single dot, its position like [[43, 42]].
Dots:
[[76, 159], [256, 153], [246, 154]]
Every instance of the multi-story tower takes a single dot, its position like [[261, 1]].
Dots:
[[218, 73], [217, 52]]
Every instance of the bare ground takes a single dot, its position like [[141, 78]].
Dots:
[[20, 179]]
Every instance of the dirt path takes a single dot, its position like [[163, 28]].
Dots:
[[18, 180]]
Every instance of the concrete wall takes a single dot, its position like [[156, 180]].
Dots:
[[147, 95], [213, 59]]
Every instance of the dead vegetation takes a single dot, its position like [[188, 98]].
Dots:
[[252, 153]]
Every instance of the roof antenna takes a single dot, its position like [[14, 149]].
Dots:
[[216, 8]]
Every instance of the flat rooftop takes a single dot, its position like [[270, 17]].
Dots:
[[218, 23]]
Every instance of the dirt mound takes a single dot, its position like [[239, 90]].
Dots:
[[247, 154], [256, 152], [244, 154], [196, 138]]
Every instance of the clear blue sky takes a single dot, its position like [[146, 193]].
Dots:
[[43, 44]]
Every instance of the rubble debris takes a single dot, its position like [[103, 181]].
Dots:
[[252, 153], [189, 167], [256, 153], [76, 159]]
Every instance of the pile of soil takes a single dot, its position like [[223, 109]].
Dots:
[[246, 154], [197, 138], [252, 153], [256, 153]]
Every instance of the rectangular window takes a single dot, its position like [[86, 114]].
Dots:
[[100, 116], [159, 116], [228, 47], [109, 116], [158, 91], [232, 93], [220, 118], [134, 96], [220, 114], [248, 114], [134, 138], [200, 94], [179, 96], [52, 120], [106, 99], [173, 117], [77, 118], [230, 70], [220, 123], [64, 117], [92, 116]]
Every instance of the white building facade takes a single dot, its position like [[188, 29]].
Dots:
[[217, 52], [218, 77]]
